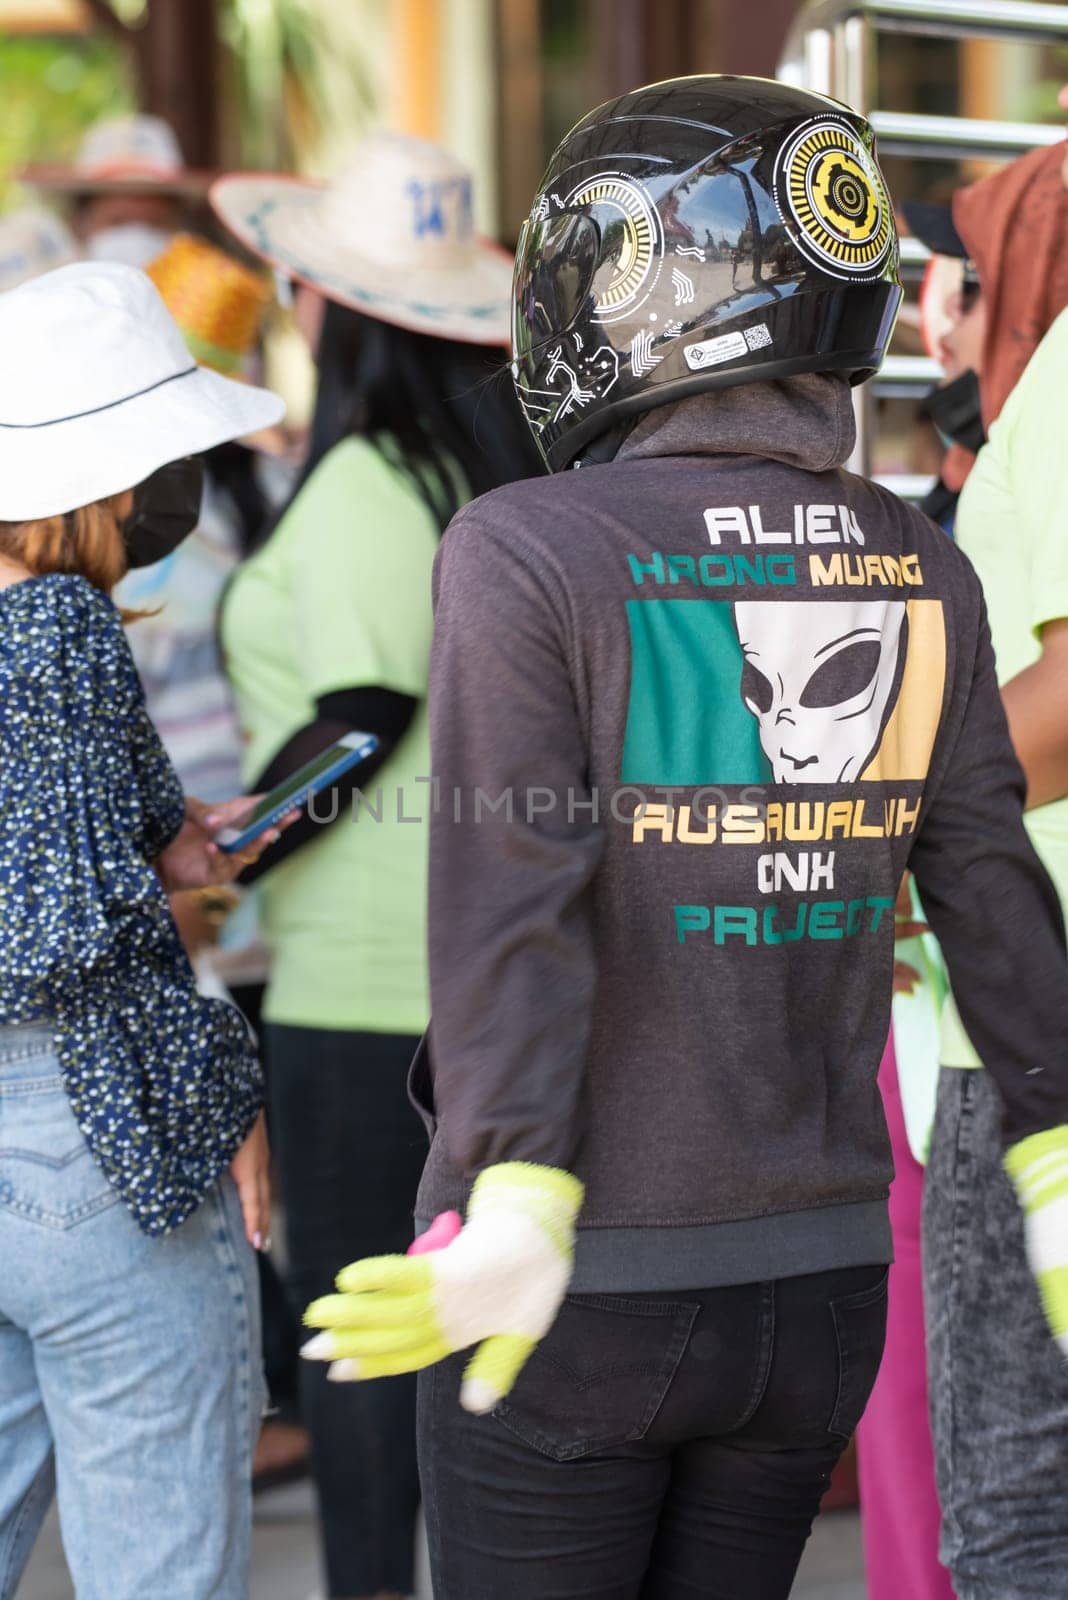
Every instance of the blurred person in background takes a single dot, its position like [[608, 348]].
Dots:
[[900, 1512], [219, 304], [127, 191], [652, 1337], [129, 1317], [952, 323], [900, 1502], [999, 1390], [327, 629]]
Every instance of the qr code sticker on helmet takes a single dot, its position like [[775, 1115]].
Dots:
[[758, 338]]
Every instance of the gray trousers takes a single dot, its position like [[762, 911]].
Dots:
[[998, 1384]]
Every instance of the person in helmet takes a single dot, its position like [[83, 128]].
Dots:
[[694, 709]]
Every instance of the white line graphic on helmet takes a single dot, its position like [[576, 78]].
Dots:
[[576, 395], [541, 210], [683, 287], [573, 379], [642, 359], [693, 250], [624, 211]]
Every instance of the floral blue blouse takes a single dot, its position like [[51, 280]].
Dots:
[[164, 1083]]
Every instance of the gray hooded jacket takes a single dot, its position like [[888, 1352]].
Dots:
[[693, 713]]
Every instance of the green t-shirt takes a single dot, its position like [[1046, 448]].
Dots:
[[338, 598], [1012, 522]]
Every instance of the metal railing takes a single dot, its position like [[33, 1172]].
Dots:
[[904, 377], [942, 19], [831, 49], [906, 133]]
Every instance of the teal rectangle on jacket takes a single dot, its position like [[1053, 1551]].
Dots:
[[686, 722]]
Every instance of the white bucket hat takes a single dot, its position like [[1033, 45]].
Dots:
[[98, 390], [392, 236], [123, 155]]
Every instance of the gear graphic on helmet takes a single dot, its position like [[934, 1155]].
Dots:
[[827, 185]]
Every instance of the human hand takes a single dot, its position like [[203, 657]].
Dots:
[[499, 1285], [905, 927], [250, 1170], [905, 978], [193, 860]]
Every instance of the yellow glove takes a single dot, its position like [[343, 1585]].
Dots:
[[1038, 1167], [499, 1284]]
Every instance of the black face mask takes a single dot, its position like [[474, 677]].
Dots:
[[956, 411], [166, 509]]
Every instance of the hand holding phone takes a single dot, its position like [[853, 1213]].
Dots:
[[316, 775], [193, 860]]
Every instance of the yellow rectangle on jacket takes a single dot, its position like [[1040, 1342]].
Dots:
[[905, 748]]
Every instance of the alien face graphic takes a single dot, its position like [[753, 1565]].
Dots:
[[818, 678]]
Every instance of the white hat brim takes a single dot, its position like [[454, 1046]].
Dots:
[[185, 183], [61, 465], [279, 218]]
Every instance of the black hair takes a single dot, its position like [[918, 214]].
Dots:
[[444, 405], [233, 468]]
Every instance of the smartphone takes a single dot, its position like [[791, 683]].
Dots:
[[310, 780]]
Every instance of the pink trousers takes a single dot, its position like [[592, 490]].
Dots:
[[899, 1503]]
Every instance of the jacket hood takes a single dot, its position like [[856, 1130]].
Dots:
[[805, 421]]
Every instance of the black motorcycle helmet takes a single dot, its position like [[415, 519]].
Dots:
[[693, 235]]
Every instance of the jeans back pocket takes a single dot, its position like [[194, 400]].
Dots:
[[600, 1376], [860, 1331], [47, 1171]]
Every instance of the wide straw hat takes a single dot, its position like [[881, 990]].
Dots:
[[123, 155], [98, 390], [393, 236], [32, 241], [217, 302]]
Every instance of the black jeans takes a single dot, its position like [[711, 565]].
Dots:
[[655, 1447], [350, 1150]]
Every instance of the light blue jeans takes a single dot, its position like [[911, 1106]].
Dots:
[[130, 1376]]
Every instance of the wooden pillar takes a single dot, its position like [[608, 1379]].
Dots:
[[642, 41], [177, 58], [752, 34], [520, 112]]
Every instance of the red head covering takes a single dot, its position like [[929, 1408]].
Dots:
[[1014, 226]]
